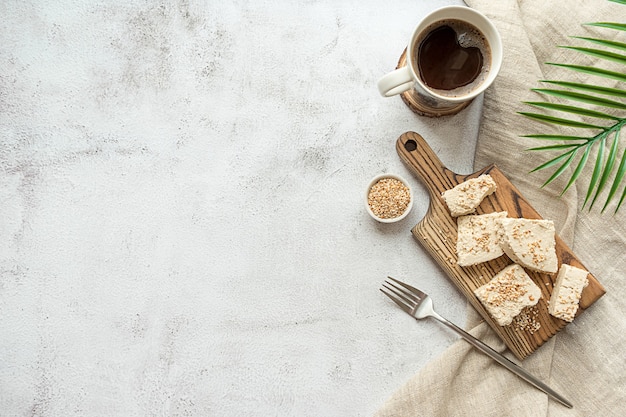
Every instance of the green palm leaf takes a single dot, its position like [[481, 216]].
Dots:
[[597, 109], [560, 121], [552, 147], [556, 137], [609, 44], [583, 98], [552, 162], [621, 200], [596, 89], [562, 168], [598, 53], [572, 109], [616, 183], [592, 71], [608, 167], [597, 169], [609, 25], [617, 180], [579, 168]]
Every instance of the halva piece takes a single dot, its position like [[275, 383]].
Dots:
[[508, 293], [567, 291], [478, 238], [465, 197], [530, 243]]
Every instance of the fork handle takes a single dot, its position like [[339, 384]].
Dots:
[[504, 361]]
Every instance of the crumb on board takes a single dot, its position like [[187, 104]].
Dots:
[[527, 320]]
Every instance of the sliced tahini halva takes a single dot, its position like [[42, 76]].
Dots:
[[569, 286], [479, 238], [510, 291], [465, 197], [530, 243]]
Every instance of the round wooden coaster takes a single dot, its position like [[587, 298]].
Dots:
[[421, 107]]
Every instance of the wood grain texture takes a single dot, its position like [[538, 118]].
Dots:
[[437, 232]]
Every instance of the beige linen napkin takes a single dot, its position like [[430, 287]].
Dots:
[[586, 361]]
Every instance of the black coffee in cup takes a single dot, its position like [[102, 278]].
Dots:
[[453, 57]]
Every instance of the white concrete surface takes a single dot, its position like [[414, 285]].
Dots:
[[182, 229]]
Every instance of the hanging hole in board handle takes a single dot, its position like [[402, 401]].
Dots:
[[410, 145]]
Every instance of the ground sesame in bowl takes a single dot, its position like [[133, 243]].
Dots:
[[388, 198]]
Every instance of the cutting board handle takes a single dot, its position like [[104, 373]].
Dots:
[[424, 163]]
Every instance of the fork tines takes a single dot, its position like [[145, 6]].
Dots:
[[404, 295]]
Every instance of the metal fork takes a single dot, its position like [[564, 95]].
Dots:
[[419, 305]]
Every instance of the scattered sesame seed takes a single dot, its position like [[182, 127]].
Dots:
[[527, 320]]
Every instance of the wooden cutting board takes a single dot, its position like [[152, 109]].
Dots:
[[437, 232]]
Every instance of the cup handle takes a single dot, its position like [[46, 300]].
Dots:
[[395, 82]]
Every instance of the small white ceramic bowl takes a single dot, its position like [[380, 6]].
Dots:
[[392, 219]]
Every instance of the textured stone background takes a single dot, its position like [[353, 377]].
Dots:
[[182, 227]]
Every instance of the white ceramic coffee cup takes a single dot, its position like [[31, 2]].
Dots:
[[407, 77]]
